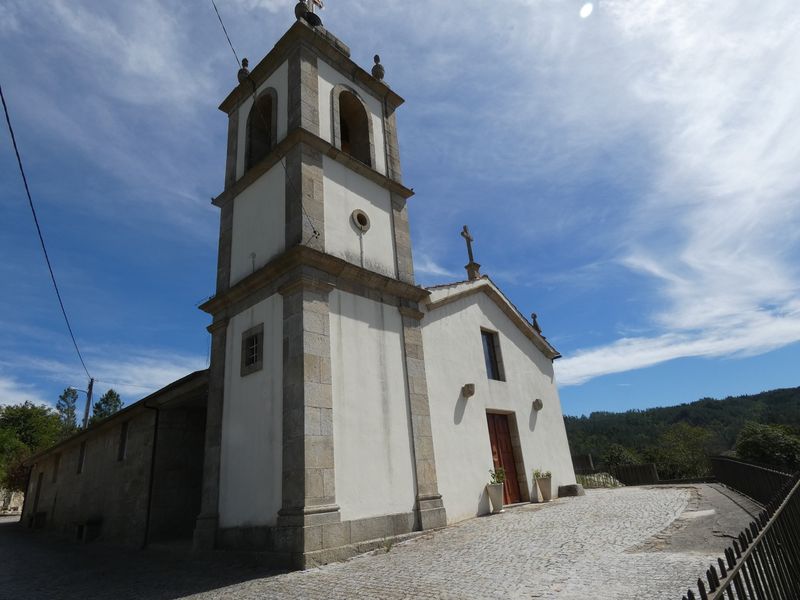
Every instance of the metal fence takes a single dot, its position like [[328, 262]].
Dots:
[[762, 484], [764, 562], [583, 462], [617, 475], [636, 474]]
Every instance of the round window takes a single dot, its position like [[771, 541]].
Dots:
[[360, 220]]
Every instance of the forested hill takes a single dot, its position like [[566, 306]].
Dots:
[[641, 430]]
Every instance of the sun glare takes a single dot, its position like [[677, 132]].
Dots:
[[586, 10]]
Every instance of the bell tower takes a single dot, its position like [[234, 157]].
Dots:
[[318, 435]]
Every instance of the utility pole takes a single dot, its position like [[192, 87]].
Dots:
[[88, 403]]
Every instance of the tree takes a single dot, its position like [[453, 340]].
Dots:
[[66, 407], [682, 452], [109, 403], [617, 454], [11, 453], [24, 430], [768, 444], [34, 425]]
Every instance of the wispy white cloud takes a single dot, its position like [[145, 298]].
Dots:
[[426, 266], [272, 6], [137, 49], [8, 19], [691, 106], [124, 86], [13, 391], [132, 373], [138, 375], [761, 333], [716, 234]]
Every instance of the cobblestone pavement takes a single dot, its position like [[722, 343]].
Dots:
[[608, 544]]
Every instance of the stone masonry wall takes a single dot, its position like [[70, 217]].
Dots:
[[178, 475], [108, 499]]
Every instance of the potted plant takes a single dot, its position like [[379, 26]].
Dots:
[[495, 489], [541, 480]]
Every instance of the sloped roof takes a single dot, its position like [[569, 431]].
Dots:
[[190, 384], [442, 295]]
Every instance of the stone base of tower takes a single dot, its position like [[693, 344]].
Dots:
[[305, 541], [431, 513]]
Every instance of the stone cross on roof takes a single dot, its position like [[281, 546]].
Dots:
[[473, 268]]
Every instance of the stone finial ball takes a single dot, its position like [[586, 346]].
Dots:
[[378, 72], [244, 72], [300, 9]]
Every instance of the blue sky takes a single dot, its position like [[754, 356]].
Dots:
[[631, 176]]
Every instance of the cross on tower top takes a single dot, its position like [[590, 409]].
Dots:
[[473, 268]]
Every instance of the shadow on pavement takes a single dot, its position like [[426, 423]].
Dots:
[[36, 565]]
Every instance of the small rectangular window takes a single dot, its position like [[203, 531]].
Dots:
[[56, 464], [252, 350], [81, 457], [122, 453], [491, 354]]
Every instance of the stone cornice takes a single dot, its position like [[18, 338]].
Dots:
[[217, 325], [305, 283], [298, 136], [411, 313], [302, 34], [325, 270]]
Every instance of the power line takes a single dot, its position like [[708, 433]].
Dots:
[[39, 231], [314, 232], [238, 62]]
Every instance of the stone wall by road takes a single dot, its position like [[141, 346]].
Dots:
[[11, 502]]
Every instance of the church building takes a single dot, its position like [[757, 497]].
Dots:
[[344, 404]]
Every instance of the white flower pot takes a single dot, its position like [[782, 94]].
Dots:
[[545, 490], [495, 491]]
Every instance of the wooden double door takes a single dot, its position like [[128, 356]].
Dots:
[[503, 455]]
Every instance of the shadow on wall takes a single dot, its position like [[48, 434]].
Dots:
[[483, 502], [533, 419], [461, 407]]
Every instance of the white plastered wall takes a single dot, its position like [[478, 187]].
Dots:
[[252, 423], [345, 191], [454, 357], [259, 224], [372, 445], [328, 79], [280, 81]]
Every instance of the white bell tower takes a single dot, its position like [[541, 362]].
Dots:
[[318, 428]]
